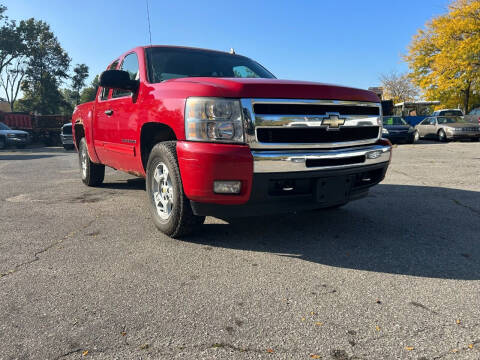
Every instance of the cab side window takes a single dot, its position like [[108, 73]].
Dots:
[[130, 65], [432, 121], [105, 91], [425, 122]]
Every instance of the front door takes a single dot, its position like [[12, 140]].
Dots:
[[123, 107]]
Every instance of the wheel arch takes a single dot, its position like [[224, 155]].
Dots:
[[152, 133]]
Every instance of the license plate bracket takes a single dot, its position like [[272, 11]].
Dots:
[[333, 190]]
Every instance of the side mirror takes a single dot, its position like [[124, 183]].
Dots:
[[118, 79]]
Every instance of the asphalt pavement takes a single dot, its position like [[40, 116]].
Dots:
[[85, 274]]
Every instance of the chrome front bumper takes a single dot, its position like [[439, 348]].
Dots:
[[301, 160]]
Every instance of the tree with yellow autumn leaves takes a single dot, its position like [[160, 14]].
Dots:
[[444, 58]]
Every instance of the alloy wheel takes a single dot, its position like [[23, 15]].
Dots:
[[162, 191]]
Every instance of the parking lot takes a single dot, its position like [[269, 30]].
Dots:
[[85, 274]]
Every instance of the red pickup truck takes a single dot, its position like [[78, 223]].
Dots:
[[217, 134]]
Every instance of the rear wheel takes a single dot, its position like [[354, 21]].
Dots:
[[442, 137], [3, 143], [170, 208], [476, 139], [92, 174]]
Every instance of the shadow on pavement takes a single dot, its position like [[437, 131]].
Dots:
[[408, 230], [129, 184], [25, 156]]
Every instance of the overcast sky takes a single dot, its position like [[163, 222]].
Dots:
[[346, 42]]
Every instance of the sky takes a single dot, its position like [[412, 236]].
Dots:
[[347, 42]]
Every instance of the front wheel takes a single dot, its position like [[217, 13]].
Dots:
[[416, 137], [170, 208], [92, 174], [442, 137]]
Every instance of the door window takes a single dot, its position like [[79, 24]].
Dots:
[[130, 65], [105, 91]]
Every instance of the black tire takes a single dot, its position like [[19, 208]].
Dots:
[[415, 137], [442, 137], [92, 174], [21, 146], [3, 143], [177, 219], [476, 139]]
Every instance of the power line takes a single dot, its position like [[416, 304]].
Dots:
[[148, 19]]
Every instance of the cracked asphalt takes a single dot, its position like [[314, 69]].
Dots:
[[85, 274]]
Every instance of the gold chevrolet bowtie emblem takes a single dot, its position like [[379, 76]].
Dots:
[[333, 121]]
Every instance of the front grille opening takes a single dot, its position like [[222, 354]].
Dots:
[[368, 178], [288, 187], [335, 162], [316, 135], [309, 109]]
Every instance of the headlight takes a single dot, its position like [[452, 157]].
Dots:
[[213, 119], [411, 129], [11, 135], [384, 131]]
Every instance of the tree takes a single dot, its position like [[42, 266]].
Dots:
[[46, 67], [11, 45], [89, 93], [398, 87], [11, 79], [445, 56], [78, 80]]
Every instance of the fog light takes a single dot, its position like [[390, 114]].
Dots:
[[374, 154], [227, 187]]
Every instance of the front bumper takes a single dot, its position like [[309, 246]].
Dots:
[[276, 180], [66, 139], [16, 141], [271, 192], [463, 135], [400, 136]]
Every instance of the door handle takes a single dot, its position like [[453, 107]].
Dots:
[[109, 112]]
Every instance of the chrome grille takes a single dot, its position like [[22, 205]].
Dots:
[[298, 123]]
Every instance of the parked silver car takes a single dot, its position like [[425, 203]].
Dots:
[[8, 137], [446, 128], [66, 136]]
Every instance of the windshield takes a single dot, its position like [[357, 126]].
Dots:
[[451, 113], [392, 120], [166, 63], [449, 119], [4, 127]]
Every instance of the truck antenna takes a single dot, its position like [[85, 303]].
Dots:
[[148, 19]]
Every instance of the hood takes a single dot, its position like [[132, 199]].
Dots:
[[19, 132], [461, 125], [278, 89]]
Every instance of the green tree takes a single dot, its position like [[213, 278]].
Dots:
[[46, 67], [89, 93], [78, 80]]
